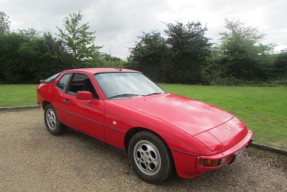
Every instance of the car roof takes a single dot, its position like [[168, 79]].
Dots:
[[99, 70]]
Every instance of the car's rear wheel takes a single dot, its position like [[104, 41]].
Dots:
[[150, 157], [52, 122]]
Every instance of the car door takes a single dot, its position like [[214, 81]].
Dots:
[[83, 115], [58, 103]]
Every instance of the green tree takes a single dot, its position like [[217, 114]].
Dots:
[[46, 55], [243, 53], [4, 23], [78, 40], [189, 50], [26, 60], [9, 57], [29, 34], [280, 65], [109, 61], [151, 56], [213, 70]]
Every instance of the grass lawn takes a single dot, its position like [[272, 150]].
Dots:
[[263, 109], [17, 95]]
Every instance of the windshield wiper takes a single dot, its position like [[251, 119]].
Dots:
[[153, 94], [124, 95]]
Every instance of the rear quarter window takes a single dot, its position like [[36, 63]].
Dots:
[[63, 82], [52, 78]]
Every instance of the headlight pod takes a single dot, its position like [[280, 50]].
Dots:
[[209, 141]]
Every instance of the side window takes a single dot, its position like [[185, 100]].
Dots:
[[81, 82], [52, 78], [62, 83]]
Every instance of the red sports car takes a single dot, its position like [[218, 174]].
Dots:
[[160, 132]]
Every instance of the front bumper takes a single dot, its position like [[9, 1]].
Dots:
[[190, 166], [228, 155]]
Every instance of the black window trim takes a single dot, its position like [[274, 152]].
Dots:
[[68, 82], [52, 78], [83, 73]]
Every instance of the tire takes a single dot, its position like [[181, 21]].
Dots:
[[150, 158], [52, 122]]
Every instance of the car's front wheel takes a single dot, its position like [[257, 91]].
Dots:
[[150, 157], [52, 122]]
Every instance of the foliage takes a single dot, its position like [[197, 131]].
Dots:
[[9, 60], [189, 49], [109, 61], [28, 34], [183, 55], [4, 23], [28, 58], [104, 60], [78, 40], [151, 56], [178, 58], [28, 55], [243, 54], [280, 65]]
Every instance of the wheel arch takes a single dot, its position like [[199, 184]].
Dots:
[[45, 103], [135, 130]]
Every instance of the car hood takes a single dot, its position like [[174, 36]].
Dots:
[[187, 114]]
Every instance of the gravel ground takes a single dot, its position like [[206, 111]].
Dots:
[[33, 160]]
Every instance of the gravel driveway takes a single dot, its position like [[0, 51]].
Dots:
[[33, 160]]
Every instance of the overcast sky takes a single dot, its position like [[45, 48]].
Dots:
[[118, 23]]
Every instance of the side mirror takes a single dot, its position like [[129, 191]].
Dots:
[[84, 95]]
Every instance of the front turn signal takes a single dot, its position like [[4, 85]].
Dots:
[[210, 163]]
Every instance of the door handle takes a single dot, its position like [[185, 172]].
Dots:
[[66, 101]]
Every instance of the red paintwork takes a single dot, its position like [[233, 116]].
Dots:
[[191, 129]]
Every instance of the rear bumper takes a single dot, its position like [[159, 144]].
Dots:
[[190, 166]]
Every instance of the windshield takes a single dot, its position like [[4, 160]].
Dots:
[[126, 85]]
